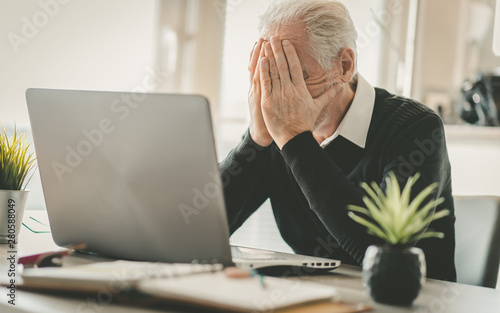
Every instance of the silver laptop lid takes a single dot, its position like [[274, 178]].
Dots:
[[132, 175]]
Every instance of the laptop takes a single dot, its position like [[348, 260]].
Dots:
[[135, 176]]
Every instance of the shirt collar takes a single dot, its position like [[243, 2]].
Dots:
[[355, 124]]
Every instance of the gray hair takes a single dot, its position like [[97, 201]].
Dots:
[[328, 25]]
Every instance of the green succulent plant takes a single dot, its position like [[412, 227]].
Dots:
[[15, 162], [393, 217]]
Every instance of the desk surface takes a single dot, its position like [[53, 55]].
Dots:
[[435, 297]]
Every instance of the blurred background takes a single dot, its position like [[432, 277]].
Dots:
[[442, 53]]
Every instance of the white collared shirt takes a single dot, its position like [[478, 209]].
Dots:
[[355, 124]]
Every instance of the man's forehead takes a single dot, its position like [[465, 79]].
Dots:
[[299, 41]]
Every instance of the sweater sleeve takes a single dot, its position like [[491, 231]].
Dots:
[[245, 180], [329, 191]]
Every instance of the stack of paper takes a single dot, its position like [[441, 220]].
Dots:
[[193, 284], [118, 275]]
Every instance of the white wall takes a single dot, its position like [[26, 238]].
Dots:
[[91, 44], [87, 44], [474, 153]]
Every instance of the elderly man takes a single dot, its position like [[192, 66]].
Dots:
[[318, 129]]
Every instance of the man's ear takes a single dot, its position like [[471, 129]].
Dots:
[[347, 59]]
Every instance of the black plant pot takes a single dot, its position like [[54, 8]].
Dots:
[[394, 274]]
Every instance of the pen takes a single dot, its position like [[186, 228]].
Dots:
[[234, 272], [261, 278]]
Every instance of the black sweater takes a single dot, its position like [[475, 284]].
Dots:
[[310, 187]]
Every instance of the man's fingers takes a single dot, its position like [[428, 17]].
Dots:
[[259, 59], [294, 65], [280, 58], [254, 57], [265, 78], [273, 69], [251, 54]]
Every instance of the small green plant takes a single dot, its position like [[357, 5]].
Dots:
[[395, 219], [15, 162]]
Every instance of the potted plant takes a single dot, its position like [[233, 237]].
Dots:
[[394, 273], [15, 165]]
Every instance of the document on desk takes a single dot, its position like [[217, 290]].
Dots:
[[115, 275], [217, 291], [199, 285]]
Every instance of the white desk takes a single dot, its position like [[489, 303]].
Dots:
[[435, 297]]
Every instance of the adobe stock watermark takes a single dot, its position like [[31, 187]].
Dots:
[[31, 26], [277, 297], [439, 304], [12, 251], [426, 147], [222, 7], [382, 17], [202, 198], [121, 108]]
